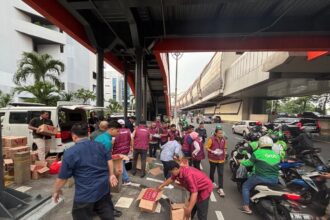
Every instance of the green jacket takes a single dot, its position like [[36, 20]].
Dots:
[[265, 163]]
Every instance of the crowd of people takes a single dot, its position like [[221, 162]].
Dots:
[[90, 163]]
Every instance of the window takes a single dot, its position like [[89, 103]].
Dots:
[[62, 48], [94, 88], [94, 75], [34, 114], [114, 88], [18, 118]]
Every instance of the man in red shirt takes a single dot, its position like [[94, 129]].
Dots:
[[197, 183]]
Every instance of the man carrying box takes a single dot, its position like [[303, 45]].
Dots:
[[90, 164], [197, 183], [42, 141]]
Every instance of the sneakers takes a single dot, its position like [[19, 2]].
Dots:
[[215, 185], [221, 193], [128, 183]]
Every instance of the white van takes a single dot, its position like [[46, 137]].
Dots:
[[15, 121]]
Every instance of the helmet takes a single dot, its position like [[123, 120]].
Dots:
[[254, 137], [274, 137], [265, 141], [218, 127], [258, 123]]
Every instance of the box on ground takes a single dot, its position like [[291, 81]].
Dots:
[[39, 169], [177, 211], [155, 171], [47, 130], [149, 198], [13, 150], [50, 160], [14, 141]]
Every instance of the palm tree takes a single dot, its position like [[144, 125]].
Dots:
[[67, 96], [39, 66], [85, 95], [114, 106], [5, 99], [43, 92]]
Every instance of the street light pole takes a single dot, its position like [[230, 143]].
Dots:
[[176, 56]]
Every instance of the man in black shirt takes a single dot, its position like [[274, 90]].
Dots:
[[202, 131], [42, 141]]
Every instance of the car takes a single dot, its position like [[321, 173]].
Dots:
[[295, 125], [310, 115], [216, 119], [15, 120], [243, 127], [207, 120]]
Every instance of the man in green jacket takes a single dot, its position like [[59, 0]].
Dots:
[[265, 165]]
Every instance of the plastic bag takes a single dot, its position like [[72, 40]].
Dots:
[[55, 167], [241, 172]]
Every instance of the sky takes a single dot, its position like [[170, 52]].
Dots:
[[190, 67]]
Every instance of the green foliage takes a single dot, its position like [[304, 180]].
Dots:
[[84, 95], [41, 67], [67, 96], [43, 92], [5, 99], [114, 106]]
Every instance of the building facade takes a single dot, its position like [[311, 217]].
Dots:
[[24, 30], [114, 87]]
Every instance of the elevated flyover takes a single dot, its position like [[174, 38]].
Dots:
[[134, 36], [236, 85]]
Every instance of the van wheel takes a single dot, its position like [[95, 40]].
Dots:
[[34, 147]]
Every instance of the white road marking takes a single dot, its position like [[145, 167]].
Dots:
[[135, 184], [219, 215], [212, 197], [201, 166], [154, 180], [159, 164]]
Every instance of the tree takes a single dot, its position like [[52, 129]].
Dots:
[[41, 67], [5, 99], [322, 102], [85, 95], [114, 106], [43, 92], [67, 96]]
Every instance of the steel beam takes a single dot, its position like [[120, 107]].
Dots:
[[125, 91], [100, 78]]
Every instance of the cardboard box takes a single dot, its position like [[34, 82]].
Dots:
[[177, 211], [14, 150], [156, 171], [47, 130], [149, 198], [50, 160], [14, 141], [34, 156], [39, 169]]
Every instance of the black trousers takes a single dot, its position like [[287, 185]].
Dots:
[[153, 149], [196, 164], [202, 209], [187, 154], [219, 167], [85, 211], [166, 170], [136, 154]]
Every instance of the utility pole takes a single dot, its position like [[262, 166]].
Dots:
[[176, 56]]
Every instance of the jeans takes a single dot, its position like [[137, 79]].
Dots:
[[143, 154], [202, 209], [252, 182], [125, 176], [196, 164], [219, 168], [153, 149], [166, 169], [85, 211]]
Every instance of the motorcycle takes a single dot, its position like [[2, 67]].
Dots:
[[275, 203]]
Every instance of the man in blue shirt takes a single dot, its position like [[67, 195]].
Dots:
[[170, 150], [89, 164]]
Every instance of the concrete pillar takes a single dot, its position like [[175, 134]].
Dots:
[[145, 107], [138, 85], [259, 106], [100, 78], [253, 106], [246, 108]]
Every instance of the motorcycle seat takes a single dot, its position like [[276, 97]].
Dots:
[[276, 187]]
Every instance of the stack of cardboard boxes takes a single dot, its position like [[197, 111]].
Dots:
[[12, 145]]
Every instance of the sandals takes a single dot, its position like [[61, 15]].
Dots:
[[249, 212]]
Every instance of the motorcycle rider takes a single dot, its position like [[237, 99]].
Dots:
[[301, 142], [266, 170]]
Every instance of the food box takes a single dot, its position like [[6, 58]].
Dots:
[[47, 130], [14, 141], [177, 211], [13, 150], [39, 169], [149, 198]]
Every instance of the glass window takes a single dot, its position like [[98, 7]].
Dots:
[[18, 118]]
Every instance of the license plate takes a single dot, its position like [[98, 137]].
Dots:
[[300, 216]]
